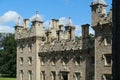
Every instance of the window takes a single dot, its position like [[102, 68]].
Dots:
[[53, 61], [21, 74], [21, 49], [42, 61], [29, 75], [64, 61], [77, 76], [30, 60], [107, 40], [107, 59], [53, 75], [42, 75], [107, 77], [30, 47], [77, 60], [21, 60]]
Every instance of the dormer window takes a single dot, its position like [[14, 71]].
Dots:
[[30, 47], [30, 60], [77, 60], [42, 61], [77, 76], [21, 48], [107, 59], [21, 60], [107, 77], [64, 61], [53, 61]]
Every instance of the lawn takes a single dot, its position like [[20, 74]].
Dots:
[[7, 78]]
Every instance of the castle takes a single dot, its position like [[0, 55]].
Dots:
[[54, 54]]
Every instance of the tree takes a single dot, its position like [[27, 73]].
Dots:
[[8, 56]]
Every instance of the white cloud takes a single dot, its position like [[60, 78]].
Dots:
[[10, 16], [63, 21], [7, 18], [78, 31], [47, 24], [91, 31], [7, 29]]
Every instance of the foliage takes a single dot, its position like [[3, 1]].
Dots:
[[77, 38], [8, 55]]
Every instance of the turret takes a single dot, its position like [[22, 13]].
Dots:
[[37, 26], [18, 28], [103, 38], [36, 20], [98, 8]]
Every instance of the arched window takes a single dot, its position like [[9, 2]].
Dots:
[[29, 75], [21, 74], [42, 76]]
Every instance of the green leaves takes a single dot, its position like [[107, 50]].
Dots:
[[8, 55]]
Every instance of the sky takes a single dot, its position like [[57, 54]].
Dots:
[[78, 10]]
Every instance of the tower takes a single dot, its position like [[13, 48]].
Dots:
[[28, 42], [98, 11], [103, 38]]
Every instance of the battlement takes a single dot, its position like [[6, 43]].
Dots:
[[66, 45], [55, 33], [56, 38]]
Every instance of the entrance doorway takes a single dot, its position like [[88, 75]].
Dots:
[[65, 76]]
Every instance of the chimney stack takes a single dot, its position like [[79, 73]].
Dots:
[[26, 21], [48, 35], [72, 33], [85, 31], [55, 23]]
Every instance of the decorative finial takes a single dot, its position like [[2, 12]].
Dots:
[[37, 13], [49, 26], [18, 23], [70, 22], [69, 18]]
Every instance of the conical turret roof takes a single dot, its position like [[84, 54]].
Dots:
[[100, 2], [37, 18]]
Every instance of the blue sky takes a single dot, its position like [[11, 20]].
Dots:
[[78, 10]]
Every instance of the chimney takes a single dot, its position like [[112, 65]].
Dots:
[[48, 35], [60, 35], [55, 23], [70, 30], [72, 33], [26, 21], [85, 31]]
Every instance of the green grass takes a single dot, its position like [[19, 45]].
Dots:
[[7, 78]]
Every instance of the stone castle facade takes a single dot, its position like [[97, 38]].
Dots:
[[54, 54]]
